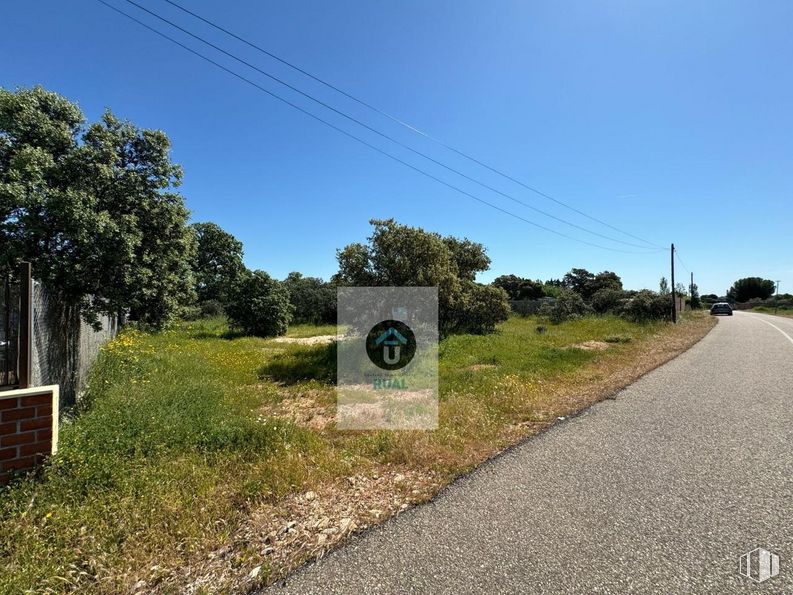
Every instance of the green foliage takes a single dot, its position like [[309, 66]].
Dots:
[[663, 286], [587, 284], [401, 256], [260, 306], [477, 310], [92, 208], [518, 288], [751, 287], [217, 264], [607, 300], [313, 300], [694, 299], [568, 306], [647, 305]]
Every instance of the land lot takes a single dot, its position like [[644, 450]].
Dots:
[[207, 462]]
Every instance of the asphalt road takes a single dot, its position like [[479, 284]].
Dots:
[[658, 491]]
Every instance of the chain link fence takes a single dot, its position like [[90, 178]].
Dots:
[[64, 346]]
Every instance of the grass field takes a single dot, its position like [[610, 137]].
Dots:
[[199, 450]]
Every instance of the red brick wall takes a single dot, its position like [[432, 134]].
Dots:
[[27, 427]]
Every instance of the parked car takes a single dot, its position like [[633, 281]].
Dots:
[[721, 308]]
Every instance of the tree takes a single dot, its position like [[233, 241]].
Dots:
[[402, 256], [696, 303], [587, 284], [259, 305], [313, 300], [217, 265], [663, 286], [93, 208], [747, 288], [580, 281], [518, 288], [605, 280]]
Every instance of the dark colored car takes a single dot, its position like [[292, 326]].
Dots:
[[721, 308]]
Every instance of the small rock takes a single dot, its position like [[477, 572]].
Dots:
[[310, 496], [399, 478], [255, 572]]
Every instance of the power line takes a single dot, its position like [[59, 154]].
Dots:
[[358, 139], [680, 260], [375, 131], [408, 126]]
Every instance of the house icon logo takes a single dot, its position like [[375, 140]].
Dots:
[[759, 565], [390, 345]]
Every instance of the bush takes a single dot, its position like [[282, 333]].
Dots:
[[313, 300], [648, 305], [477, 309], [607, 300], [260, 306], [568, 306]]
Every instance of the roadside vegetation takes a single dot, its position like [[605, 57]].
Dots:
[[186, 433]]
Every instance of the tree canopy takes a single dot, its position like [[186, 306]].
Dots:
[[749, 288], [586, 284], [217, 264], [401, 256], [93, 207]]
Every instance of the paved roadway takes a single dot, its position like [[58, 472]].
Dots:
[[659, 491]]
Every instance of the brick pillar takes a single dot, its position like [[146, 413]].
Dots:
[[28, 429]]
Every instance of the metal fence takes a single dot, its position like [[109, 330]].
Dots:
[[15, 328], [9, 331]]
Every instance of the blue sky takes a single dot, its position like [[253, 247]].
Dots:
[[670, 119]]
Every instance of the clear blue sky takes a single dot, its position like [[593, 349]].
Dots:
[[671, 119]]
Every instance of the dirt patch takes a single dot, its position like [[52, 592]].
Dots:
[[303, 409], [317, 340], [591, 346], [304, 527]]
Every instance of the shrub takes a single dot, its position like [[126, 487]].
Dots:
[[476, 310], [648, 305], [568, 306], [260, 306], [607, 300]]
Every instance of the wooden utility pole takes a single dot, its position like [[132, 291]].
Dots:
[[674, 296], [691, 291]]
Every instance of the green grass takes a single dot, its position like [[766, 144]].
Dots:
[[172, 448]]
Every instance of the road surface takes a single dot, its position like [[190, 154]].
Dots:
[[658, 491]]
